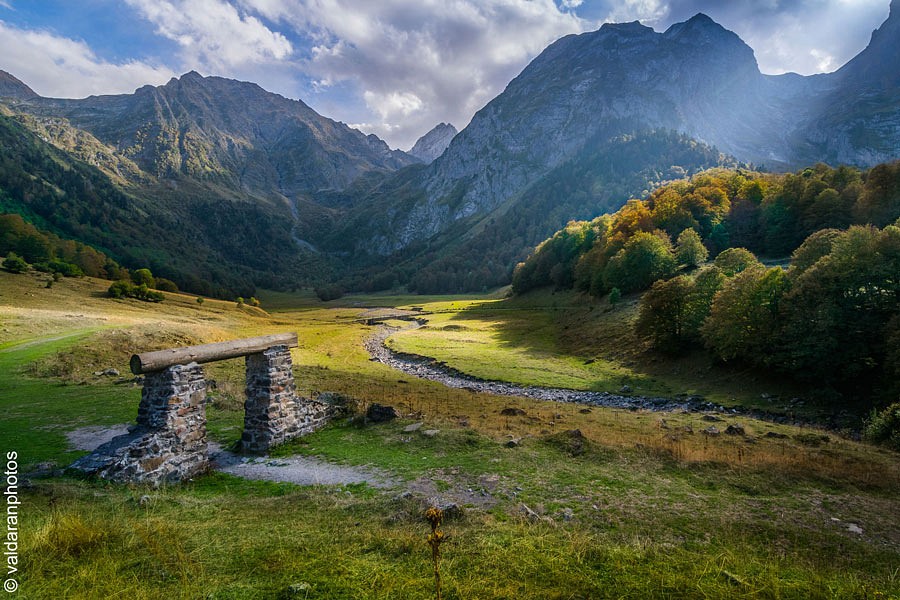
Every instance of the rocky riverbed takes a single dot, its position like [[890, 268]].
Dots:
[[434, 370]]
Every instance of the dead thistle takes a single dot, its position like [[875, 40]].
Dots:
[[434, 515]]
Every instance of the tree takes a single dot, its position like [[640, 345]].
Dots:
[[645, 258], [143, 277], [689, 249], [663, 312], [743, 318], [15, 263], [734, 260]]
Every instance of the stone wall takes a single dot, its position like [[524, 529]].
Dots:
[[168, 443], [273, 413]]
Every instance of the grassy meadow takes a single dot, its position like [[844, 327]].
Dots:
[[638, 505]]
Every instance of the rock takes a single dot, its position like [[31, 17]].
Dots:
[[734, 429], [145, 500], [711, 430], [662, 424], [111, 373], [431, 432], [567, 514], [413, 427], [711, 418], [513, 443], [512, 412], [452, 510], [775, 435], [625, 389], [585, 411], [529, 514], [379, 413], [572, 442], [854, 528]]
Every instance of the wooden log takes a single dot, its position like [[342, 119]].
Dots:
[[149, 362]]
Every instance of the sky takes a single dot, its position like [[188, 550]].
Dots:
[[394, 68]]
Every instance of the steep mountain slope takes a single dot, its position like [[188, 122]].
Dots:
[[859, 120], [590, 91], [227, 132], [432, 144], [10, 87]]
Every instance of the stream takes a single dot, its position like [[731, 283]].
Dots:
[[429, 368]]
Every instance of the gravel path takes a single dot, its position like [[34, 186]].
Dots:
[[301, 470]]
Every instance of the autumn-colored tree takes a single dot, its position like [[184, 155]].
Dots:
[[689, 249]]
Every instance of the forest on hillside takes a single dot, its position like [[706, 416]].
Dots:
[[831, 318]]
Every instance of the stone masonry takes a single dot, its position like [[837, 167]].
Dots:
[[272, 412], [168, 444]]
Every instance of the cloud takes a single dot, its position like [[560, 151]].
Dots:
[[804, 36], [61, 67], [419, 62], [213, 33]]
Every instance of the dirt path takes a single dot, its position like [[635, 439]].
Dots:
[[300, 470]]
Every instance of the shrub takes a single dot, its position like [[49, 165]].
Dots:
[[143, 277], [239, 301], [199, 299], [253, 301], [883, 428], [15, 264], [125, 289], [615, 296], [329, 292], [165, 285]]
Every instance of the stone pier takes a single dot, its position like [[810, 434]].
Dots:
[[168, 443], [272, 412]]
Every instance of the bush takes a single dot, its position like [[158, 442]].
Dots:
[[615, 296], [60, 267], [253, 301], [165, 285], [883, 428], [143, 277], [15, 264], [199, 299], [125, 289], [329, 292]]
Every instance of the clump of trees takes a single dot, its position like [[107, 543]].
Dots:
[[142, 285], [763, 214], [833, 317], [49, 253]]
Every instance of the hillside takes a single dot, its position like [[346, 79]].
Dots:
[[558, 127]]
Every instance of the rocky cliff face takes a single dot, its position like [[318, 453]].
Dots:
[[226, 132], [696, 78], [858, 120], [10, 87], [432, 144]]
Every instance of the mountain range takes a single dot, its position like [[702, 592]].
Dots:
[[268, 192]]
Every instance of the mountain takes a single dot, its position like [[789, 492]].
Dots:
[[227, 132], [268, 192], [858, 120], [239, 179], [590, 95], [432, 144]]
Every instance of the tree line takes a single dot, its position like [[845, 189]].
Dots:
[[832, 317]]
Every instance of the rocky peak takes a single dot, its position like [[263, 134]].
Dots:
[[432, 144], [10, 87]]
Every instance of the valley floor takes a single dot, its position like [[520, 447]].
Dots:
[[552, 501]]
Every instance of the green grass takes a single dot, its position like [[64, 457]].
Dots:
[[657, 508]]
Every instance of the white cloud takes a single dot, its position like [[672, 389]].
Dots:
[[213, 33], [419, 62], [60, 67]]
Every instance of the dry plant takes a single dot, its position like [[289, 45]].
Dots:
[[434, 515]]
